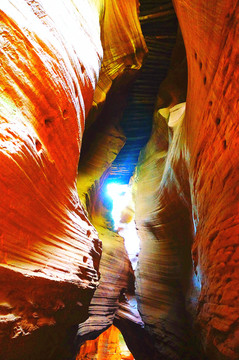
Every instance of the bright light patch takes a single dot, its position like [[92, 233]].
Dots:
[[119, 195], [123, 217], [197, 280]]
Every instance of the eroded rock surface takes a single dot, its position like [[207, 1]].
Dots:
[[185, 185], [108, 346], [51, 55], [210, 33], [47, 243], [192, 201]]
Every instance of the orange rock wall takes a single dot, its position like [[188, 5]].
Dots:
[[189, 169], [46, 91], [164, 227], [115, 272], [49, 249], [186, 188], [210, 32], [50, 60], [108, 346]]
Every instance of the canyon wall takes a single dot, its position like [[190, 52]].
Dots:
[[51, 55], [65, 275], [190, 171], [108, 346], [48, 246], [210, 33]]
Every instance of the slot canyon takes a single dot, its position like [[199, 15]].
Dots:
[[119, 187]]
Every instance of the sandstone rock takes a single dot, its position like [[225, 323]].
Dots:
[[108, 346], [210, 35], [185, 185], [50, 60], [196, 176]]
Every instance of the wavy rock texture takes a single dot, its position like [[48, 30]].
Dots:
[[48, 246], [186, 184], [210, 33], [191, 201], [159, 26], [163, 218], [93, 163], [124, 50], [115, 270], [50, 60], [113, 301], [162, 214], [123, 56]]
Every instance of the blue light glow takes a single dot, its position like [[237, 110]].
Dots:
[[119, 194], [123, 216]]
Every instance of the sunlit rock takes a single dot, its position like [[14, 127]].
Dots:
[[191, 200], [69, 268], [51, 55], [212, 146], [108, 346]]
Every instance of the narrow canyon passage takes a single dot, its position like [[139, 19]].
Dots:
[[119, 182]]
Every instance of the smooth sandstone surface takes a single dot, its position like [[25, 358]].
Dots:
[[51, 54], [65, 277], [108, 346], [191, 205], [48, 246], [212, 146]]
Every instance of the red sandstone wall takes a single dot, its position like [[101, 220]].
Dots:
[[210, 31], [49, 250], [191, 170], [50, 59], [48, 246], [108, 346]]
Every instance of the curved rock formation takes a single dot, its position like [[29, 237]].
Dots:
[[48, 247], [108, 346], [67, 66], [114, 268], [192, 199], [51, 54], [164, 227], [210, 33]]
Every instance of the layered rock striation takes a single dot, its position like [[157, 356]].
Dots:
[[65, 276], [191, 202], [210, 33], [48, 246], [51, 54]]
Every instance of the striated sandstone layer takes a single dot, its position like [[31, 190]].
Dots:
[[123, 56], [190, 171], [51, 53], [113, 301], [49, 249], [115, 272], [124, 51], [164, 227], [163, 221], [186, 183], [210, 32]]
